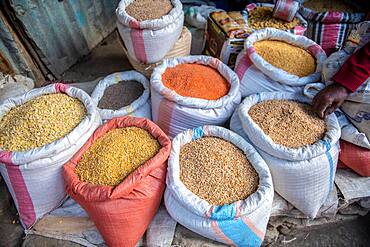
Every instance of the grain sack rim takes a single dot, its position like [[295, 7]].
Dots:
[[171, 95], [303, 23], [129, 21], [49, 150], [330, 16], [115, 78], [276, 73], [253, 131], [95, 193], [201, 207]]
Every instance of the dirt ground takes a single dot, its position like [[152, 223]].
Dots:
[[107, 58]]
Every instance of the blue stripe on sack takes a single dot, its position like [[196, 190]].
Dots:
[[197, 133], [258, 97], [235, 229], [331, 164]]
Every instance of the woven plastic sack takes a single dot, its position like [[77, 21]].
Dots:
[[175, 113], [34, 177], [355, 157], [303, 176], [150, 40], [298, 30], [122, 213], [257, 75], [329, 29], [242, 223], [139, 108]]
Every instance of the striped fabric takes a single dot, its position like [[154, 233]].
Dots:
[[329, 29]]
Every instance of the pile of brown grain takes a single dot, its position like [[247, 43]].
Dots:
[[290, 58], [261, 17], [329, 5], [217, 171], [120, 95], [288, 123], [143, 10]]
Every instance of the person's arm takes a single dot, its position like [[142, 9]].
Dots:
[[352, 74]]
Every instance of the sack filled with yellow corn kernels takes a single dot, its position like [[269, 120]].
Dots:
[[36, 140], [121, 211], [275, 60]]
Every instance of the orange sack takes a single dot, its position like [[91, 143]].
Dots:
[[355, 157], [122, 213]]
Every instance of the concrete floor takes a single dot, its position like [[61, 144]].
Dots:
[[107, 58]]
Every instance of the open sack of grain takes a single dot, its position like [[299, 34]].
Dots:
[[274, 60], [39, 132], [260, 16], [121, 94], [149, 28], [330, 21], [118, 177], [219, 186], [300, 149], [193, 91]]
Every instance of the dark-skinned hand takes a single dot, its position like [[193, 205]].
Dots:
[[329, 99]]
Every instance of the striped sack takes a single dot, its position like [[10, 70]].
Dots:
[[303, 176], [329, 29], [149, 41], [34, 177], [242, 223]]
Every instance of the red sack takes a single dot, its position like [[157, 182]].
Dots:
[[355, 157], [122, 213]]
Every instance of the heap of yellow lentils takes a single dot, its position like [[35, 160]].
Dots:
[[115, 155], [40, 121]]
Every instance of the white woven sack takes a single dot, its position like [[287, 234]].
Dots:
[[175, 113], [242, 223], [302, 176], [257, 75], [139, 108], [34, 177], [150, 40]]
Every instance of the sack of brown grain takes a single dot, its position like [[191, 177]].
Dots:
[[274, 60], [121, 94], [302, 174], [217, 178], [149, 28], [52, 124]]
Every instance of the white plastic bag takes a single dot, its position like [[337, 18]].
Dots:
[[303, 176], [34, 177], [257, 75], [150, 40], [242, 223], [12, 86], [175, 113], [139, 108]]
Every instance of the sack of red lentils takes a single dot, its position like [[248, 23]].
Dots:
[[121, 94], [300, 149], [260, 16], [330, 22], [122, 201], [274, 60], [193, 91], [40, 131], [219, 186], [149, 28]]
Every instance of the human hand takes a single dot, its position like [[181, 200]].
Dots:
[[329, 99]]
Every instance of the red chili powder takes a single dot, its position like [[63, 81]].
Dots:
[[196, 81]]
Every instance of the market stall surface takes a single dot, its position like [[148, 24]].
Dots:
[[108, 57]]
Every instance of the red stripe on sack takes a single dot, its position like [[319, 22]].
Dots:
[[134, 24], [330, 32], [286, 6], [25, 204], [251, 50], [220, 234], [61, 88], [253, 228], [237, 209], [299, 30], [208, 214], [315, 50], [251, 6], [243, 66], [137, 39]]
